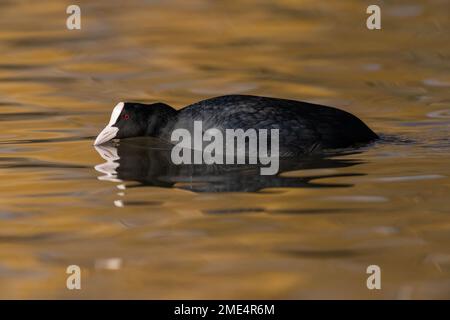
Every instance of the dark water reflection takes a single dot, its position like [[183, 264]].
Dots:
[[149, 163]]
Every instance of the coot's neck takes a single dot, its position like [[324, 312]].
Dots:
[[161, 120]]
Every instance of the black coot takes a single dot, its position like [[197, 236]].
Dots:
[[303, 127]]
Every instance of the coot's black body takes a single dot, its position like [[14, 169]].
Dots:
[[303, 127]]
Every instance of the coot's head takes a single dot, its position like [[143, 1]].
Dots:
[[129, 119]]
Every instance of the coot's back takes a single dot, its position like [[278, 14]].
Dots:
[[303, 127]]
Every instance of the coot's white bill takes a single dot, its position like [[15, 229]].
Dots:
[[110, 132], [106, 135]]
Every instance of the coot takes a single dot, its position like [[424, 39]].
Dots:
[[303, 127]]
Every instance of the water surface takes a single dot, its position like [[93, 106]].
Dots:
[[138, 229]]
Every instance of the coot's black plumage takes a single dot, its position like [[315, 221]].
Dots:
[[303, 127]]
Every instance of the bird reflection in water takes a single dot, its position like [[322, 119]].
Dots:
[[147, 161]]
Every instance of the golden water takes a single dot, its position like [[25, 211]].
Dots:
[[312, 234]]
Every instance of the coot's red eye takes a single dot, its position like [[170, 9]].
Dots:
[[125, 117]]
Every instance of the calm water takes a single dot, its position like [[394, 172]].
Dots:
[[139, 230]]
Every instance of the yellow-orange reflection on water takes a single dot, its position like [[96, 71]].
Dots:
[[310, 234]]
